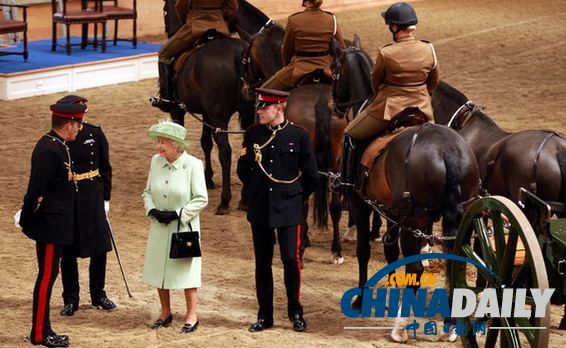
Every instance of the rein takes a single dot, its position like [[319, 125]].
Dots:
[[217, 130]]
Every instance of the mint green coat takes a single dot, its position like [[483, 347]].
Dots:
[[172, 187]]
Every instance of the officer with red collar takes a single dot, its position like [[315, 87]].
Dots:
[[278, 166], [93, 175], [47, 212]]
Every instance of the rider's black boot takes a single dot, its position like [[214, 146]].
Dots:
[[348, 165], [165, 102]]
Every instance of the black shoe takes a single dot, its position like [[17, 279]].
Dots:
[[54, 340], [162, 323], [260, 325], [104, 303], [69, 309], [188, 328], [299, 323]]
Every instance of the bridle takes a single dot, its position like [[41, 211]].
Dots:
[[342, 108], [247, 56]]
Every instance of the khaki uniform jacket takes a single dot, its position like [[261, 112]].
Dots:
[[202, 15], [405, 74], [310, 31]]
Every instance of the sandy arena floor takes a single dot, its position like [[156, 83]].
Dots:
[[507, 55]]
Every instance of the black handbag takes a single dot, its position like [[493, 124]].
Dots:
[[184, 244]]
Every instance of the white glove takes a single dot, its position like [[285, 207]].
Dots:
[[106, 207], [17, 219]]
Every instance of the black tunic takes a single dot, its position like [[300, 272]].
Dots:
[[50, 221], [272, 204], [89, 151]]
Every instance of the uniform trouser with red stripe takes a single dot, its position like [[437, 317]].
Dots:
[[48, 256], [289, 239]]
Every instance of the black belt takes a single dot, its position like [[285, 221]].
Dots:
[[205, 8], [311, 54], [395, 85]]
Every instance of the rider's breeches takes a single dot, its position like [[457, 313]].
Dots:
[[365, 125], [172, 48], [275, 83]]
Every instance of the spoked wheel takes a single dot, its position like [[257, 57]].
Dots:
[[498, 227]]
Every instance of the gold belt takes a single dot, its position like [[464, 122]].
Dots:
[[88, 175]]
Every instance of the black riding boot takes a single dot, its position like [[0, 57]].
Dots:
[[348, 165], [165, 102]]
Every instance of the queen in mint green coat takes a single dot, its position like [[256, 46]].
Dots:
[[178, 186]]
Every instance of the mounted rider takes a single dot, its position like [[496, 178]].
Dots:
[[405, 75], [306, 45], [199, 17]]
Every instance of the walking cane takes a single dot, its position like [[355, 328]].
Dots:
[[118, 257]]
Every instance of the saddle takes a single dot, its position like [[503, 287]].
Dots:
[[374, 147], [315, 76], [209, 35]]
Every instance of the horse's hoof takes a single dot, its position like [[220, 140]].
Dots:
[[242, 206], [374, 235], [378, 240], [222, 210], [399, 335], [210, 185], [452, 337], [357, 304], [350, 234], [337, 260]]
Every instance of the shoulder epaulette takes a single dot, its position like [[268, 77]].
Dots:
[[389, 44], [298, 126], [253, 126], [425, 41], [86, 124], [330, 13]]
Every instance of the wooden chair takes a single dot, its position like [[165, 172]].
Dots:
[[12, 26], [82, 16], [116, 13]]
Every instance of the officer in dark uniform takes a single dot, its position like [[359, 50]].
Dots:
[[93, 175], [277, 164], [47, 213]]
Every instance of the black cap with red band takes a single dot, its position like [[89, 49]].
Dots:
[[266, 97], [72, 99], [71, 112]]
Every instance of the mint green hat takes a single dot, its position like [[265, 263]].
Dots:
[[169, 130]]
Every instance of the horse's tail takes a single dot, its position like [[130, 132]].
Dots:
[[453, 209], [561, 157], [246, 113], [322, 149]]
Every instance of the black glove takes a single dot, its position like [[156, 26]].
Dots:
[[164, 216]]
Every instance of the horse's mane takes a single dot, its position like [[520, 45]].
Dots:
[[452, 92], [251, 10]]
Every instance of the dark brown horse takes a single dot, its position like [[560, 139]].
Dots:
[[209, 84], [532, 159], [425, 174]]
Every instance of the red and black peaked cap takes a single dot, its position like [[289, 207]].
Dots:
[[266, 97]]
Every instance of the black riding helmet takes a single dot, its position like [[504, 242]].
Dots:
[[400, 14]]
